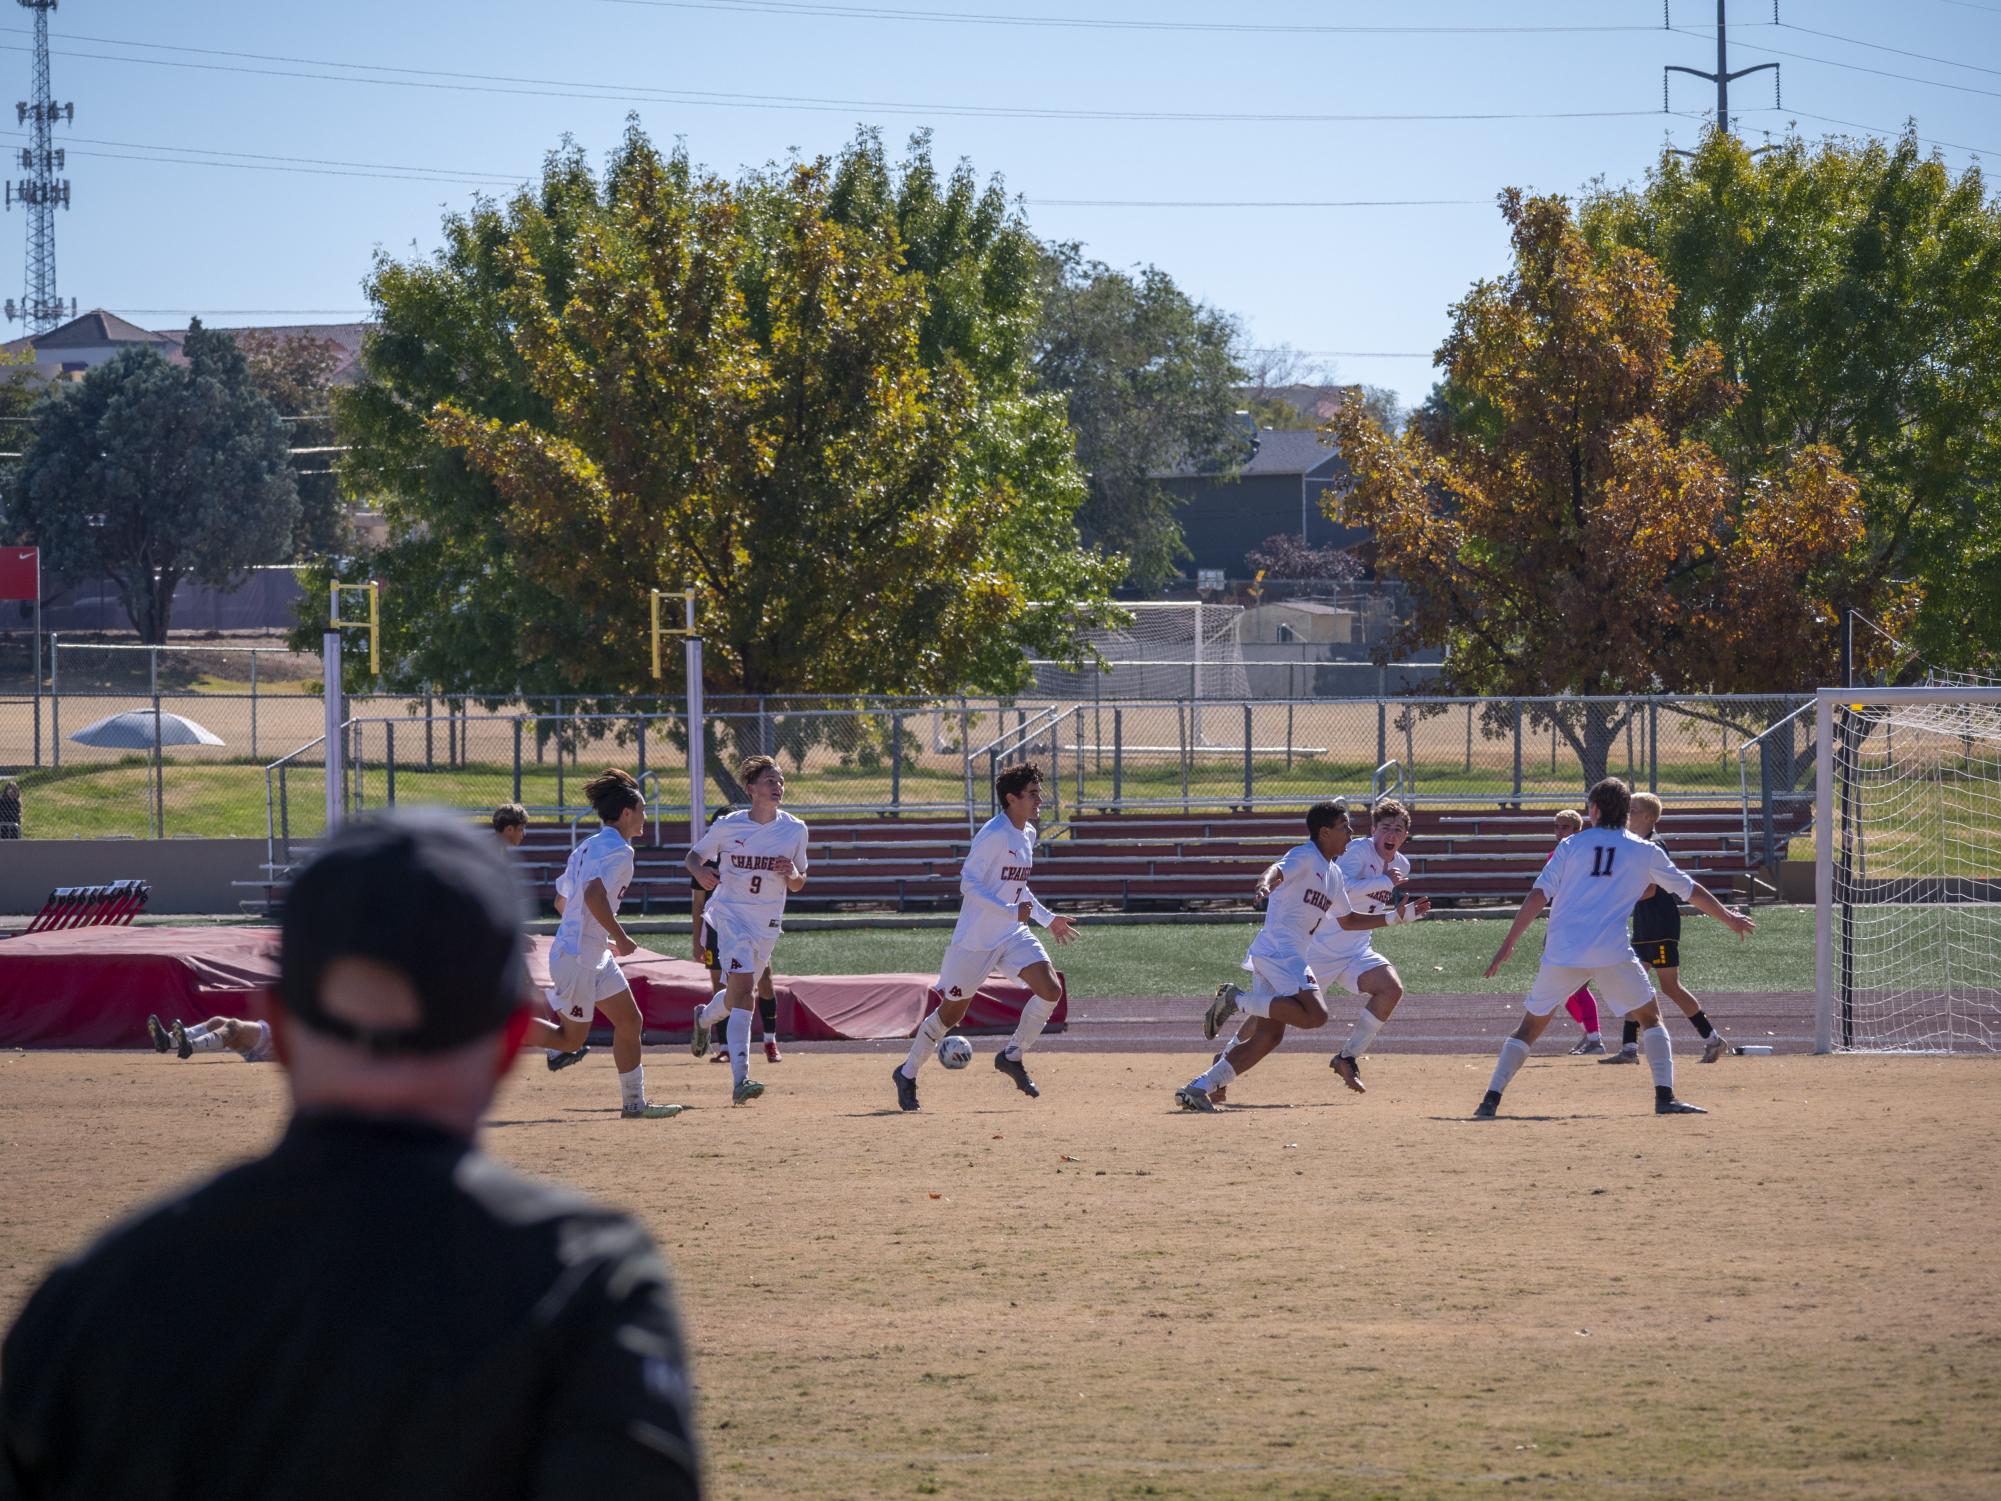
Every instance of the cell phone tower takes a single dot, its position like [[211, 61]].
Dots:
[[41, 192]]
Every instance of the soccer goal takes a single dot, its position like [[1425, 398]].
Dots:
[[1907, 851]]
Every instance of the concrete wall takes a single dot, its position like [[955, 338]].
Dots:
[[187, 875]]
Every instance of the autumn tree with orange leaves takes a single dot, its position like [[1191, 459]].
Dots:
[[1569, 533]]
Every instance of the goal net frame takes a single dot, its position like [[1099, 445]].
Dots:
[[1841, 863]]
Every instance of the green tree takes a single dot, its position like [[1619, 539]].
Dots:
[[1854, 291], [293, 371], [805, 392], [1149, 381], [1580, 538], [147, 473]]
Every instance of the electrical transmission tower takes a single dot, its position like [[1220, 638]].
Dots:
[[41, 192], [1722, 77]]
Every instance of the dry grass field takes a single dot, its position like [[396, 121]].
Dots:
[[1311, 1295]]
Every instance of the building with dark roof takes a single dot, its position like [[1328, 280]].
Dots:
[[1275, 487], [97, 336]]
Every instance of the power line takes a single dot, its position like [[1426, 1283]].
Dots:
[[555, 88], [1856, 41], [1886, 132], [1234, 203], [827, 10]]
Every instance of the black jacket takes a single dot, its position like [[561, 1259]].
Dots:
[[374, 1309]]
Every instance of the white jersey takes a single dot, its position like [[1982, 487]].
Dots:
[[749, 890], [1369, 880], [1309, 889], [605, 857], [1591, 882], [993, 884]]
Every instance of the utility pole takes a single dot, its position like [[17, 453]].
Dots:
[[41, 191], [1722, 77]]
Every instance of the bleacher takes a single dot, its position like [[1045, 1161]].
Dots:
[[1139, 862]]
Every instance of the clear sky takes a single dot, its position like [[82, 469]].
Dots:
[[184, 200]]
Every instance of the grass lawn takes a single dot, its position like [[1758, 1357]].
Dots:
[[1191, 959]]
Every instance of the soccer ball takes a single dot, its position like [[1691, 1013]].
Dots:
[[955, 1052]]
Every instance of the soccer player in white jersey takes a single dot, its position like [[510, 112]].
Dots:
[[993, 933], [1306, 890], [583, 959], [1590, 885], [249, 1040], [761, 859]]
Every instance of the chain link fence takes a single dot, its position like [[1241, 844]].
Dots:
[[890, 756]]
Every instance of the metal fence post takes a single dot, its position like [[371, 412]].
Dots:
[[561, 801], [517, 752], [389, 763], [1184, 721], [896, 763], [1077, 718], [55, 701], [159, 769], [284, 814], [1382, 731], [1247, 755], [1653, 745], [430, 748], [1118, 755], [253, 703], [1518, 753]]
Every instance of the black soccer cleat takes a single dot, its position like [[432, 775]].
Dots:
[[161, 1038], [906, 1089], [1677, 1107], [179, 1034], [1017, 1070], [564, 1060], [1485, 1110], [1350, 1070]]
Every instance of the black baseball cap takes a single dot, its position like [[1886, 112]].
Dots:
[[424, 893]]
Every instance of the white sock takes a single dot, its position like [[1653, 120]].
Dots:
[[718, 1007], [739, 1038], [553, 1052], [632, 1087], [1219, 1074], [1256, 1001], [1592, 1037], [925, 1044], [1660, 1055], [199, 1029], [1367, 1025], [1034, 1017], [1514, 1053], [207, 1042]]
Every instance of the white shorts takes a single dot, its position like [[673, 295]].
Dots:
[[579, 987], [1346, 970], [1279, 977], [1621, 987], [964, 970], [741, 948], [262, 1052]]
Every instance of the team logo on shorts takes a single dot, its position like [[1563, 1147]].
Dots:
[[955, 992], [736, 964], [577, 1011]]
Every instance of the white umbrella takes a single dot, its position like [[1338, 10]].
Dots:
[[133, 730]]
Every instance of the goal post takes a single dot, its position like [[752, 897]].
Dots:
[[1907, 869]]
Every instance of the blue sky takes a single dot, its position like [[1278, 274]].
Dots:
[[160, 225]]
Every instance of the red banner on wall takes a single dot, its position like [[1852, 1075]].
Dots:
[[20, 573]]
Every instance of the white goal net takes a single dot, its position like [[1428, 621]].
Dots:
[[1172, 649], [1908, 850]]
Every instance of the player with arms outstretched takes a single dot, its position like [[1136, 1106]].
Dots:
[[583, 959], [760, 855], [993, 933], [1590, 885], [1305, 890]]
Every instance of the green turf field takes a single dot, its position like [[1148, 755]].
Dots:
[[1187, 959]]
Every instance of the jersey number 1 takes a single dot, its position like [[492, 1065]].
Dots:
[[1606, 852]]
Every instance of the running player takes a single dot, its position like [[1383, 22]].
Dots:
[[583, 960], [993, 933], [761, 855], [249, 1040], [1590, 884], [510, 824], [704, 929], [1657, 940], [1583, 1007], [1305, 889]]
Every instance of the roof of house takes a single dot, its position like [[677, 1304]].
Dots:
[[94, 328], [1276, 453]]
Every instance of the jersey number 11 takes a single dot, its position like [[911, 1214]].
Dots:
[[1602, 855]]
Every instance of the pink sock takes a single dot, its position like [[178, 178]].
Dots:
[[1584, 1008]]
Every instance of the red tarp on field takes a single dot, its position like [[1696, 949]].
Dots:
[[92, 988]]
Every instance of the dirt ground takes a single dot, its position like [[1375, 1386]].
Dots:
[[1313, 1294]]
